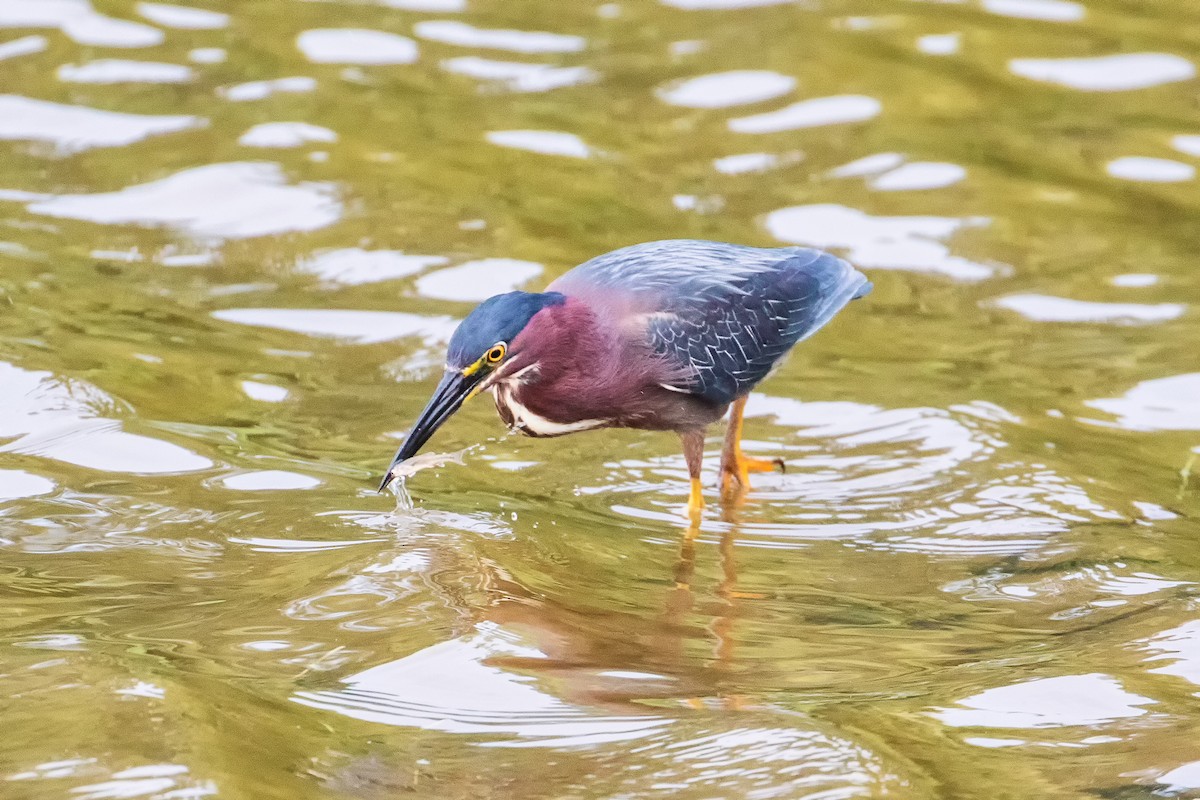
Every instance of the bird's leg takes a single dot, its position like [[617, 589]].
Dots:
[[693, 454], [735, 465]]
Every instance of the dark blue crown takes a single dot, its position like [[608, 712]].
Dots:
[[497, 319]]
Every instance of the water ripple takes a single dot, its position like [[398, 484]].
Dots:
[[71, 129]]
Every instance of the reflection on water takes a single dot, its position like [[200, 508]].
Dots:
[[351, 46], [236, 238], [1154, 170], [62, 420], [465, 35], [1048, 702], [553, 143], [1048, 10], [73, 128], [285, 134], [1163, 404], [905, 243], [1117, 73], [517, 76], [79, 22], [454, 687], [740, 87], [119, 70], [1042, 308], [809, 114], [220, 201]]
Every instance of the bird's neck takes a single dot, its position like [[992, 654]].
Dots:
[[567, 338], [584, 363]]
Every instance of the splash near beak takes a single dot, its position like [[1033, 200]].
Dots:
[[454, 389]]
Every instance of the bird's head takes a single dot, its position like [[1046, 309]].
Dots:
[[482, 349]]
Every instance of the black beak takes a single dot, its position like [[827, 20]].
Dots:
[[449, 396]]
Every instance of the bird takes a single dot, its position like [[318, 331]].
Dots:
[[662, 336]]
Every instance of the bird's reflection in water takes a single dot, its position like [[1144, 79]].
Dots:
[[681, 599], [612, 660], [624, 686]]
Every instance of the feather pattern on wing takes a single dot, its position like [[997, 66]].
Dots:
[[726, 314]]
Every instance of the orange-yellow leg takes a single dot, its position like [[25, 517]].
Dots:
[[695, 500], [736, 466], [693, 454]]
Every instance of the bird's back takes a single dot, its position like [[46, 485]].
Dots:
[[725, 313]]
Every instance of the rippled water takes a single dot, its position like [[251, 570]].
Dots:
[[235, 238]]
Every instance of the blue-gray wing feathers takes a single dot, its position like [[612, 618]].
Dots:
[[725, 314]]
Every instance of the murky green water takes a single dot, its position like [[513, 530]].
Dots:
[[976, 580]]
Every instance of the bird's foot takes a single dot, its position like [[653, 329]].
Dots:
[[735, 477], [763, 464]]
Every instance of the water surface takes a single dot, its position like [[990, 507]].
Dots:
[[235, 237]]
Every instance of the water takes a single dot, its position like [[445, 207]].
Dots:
[[234, 243]]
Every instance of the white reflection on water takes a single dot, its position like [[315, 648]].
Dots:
[[1180, 778], [65, 768], [1067, 594], [478, 280], [1153, 511], [452, 687], [356, 46], [762, 762], [708, 204], [518, 76], [706, 5], [218, 201], [1180, 646], [435, 6], [1116, 73], [26, 45], [940, 44], [17, 483], [552, 143], [119, 70], [1162, 404], [810, 114], [285, 134], [258, 90], [206, 55], [919, 175], [264, 392], [269, 480], [159, 780], [74, 128], [464, 35], [1134, 280], [743, 163], [353, 266], [723, 89], [1045, 308], [1151, 170], [356, 327], [182, 17], [868, 165], [1187, 143], [1065, 701], [904, 243], [79, 22], [1048, 10], [62, 420]]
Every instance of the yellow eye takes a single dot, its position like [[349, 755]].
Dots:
[[495, 355]]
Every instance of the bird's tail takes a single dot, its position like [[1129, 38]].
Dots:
[[840, 283]]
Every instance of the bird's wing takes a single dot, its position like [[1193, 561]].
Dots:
[[728, 330]]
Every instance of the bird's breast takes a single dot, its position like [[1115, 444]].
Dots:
[[514, 409]]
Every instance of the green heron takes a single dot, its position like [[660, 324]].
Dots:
[[662, 336]]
